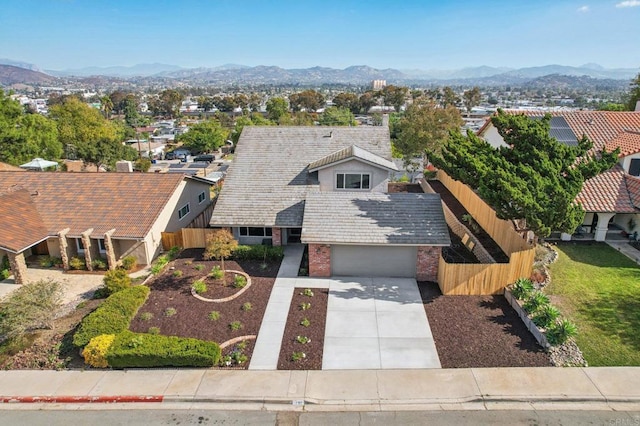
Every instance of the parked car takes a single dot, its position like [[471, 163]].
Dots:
[[178, 154], [205, 158]]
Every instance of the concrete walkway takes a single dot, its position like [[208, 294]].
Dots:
[[624, 248], [604, 388], [372, 323]]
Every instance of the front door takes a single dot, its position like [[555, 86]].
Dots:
[[293, 235], [40, 249]]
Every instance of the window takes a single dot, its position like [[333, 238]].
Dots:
[[251, 231], [101, 246], [79, 245], [202, 197], [184, 210], [634, 167], [353, 181]]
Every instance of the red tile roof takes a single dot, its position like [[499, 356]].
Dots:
[[610, 191], [22, 225], [633, 185], [128, 202]]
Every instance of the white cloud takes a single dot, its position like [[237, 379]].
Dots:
[[583, 9], [629, 3]]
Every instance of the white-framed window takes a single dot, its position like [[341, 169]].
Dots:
[[79, 245], [101, 247], [201, 197], [184, 210], [252, 231], [634, 167], [353, 181]]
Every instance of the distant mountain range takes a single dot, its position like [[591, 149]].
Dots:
[[231, 74]]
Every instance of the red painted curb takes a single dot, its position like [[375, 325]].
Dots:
[[81, 399]]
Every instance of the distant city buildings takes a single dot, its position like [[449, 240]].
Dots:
[[378, 84]]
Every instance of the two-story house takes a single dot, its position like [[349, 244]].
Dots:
[[611, 199], [327, 187]]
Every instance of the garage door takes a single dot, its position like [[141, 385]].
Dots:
[[371, 261]]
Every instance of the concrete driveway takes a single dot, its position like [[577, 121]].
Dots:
[[377, 323]]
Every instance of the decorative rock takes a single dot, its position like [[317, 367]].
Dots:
[[567, 355]]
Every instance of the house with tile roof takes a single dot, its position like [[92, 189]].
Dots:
[[611, 199], [327, 187], [91, 215]]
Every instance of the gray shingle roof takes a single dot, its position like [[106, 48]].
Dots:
[[268, 181], [352, 152], [374, 218]]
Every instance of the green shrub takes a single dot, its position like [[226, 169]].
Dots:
[[154, 330], [298, 356], [305, 322], [129, 262], [169, 312], [199, 267], [258, 252], [4, 274], [239, 281], [99, 263], [522, 288], [5, 268], [116, 280], [216, 273], [173, 252], [404, 179], [148, 350], [46, 261], [536, 301], [146, 316], [177, 273], [247, 306], [560, 331], [77, 263], [235, 325], [96, 350], [199, 286], [214, 315], [546, 316], [113, 316]]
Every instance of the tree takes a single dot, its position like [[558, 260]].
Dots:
[[423, 127], [24, 136], [167, 103], [206, 136], [255, 119], [348, 101], [449, 97], [634, 93], [366, 101], [220, 244], [394, 95], [277, 108], [131, 116], [534, 177], [105, 152], [471, 98], [30, 307], [334, 116], [107, 106], [309, 100]]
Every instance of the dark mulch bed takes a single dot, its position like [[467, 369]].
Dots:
[[192, 315], [479, 331], [459, 211], [317, 316], [401, 187], [458, 252]]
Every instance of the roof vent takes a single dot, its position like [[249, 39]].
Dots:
[[330, 135]]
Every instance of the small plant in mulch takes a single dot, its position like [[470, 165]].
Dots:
[[235, 325], [216, 273], [522, 288], [188, 262], [199, 286], [307, 292], [236, 357], [298, 356], [303, 339], [169, 312], [146, 316], [535, 302], [239, 281], [154, 330], [305, 322], [177, 273], [247, 306], [214, 315], [199, 267], [546, 316], [305, 306], [559, 332]]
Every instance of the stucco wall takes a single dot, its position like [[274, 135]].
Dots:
[[626, 161], [379, 177], [492, 136]]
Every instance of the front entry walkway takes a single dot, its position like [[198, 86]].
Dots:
[[377, 323], [372, 323]]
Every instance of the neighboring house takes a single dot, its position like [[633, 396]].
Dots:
[[89, 215], [327, 187], [613, 196]]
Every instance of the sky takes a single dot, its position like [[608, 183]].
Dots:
[[400, 34]]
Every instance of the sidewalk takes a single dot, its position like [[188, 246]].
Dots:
[[624, 248], [606, 388]]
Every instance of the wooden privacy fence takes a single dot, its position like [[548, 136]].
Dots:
[[186, 238], [481, 279]]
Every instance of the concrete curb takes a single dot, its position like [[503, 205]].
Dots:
[[80, 399]]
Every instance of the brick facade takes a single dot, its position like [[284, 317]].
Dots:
[[427, 263], [319, 260], [276, 236]]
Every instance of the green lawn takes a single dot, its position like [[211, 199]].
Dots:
[[598, 289]]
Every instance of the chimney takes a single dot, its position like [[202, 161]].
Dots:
[[124, 167], [385, 120], [637, 106]]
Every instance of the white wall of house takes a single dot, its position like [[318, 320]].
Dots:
[[622, 220], [492, 136], [378, 182], [625, 162]]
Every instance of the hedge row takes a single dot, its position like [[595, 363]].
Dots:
[[258, 252], [150, 350], [113, 316]]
